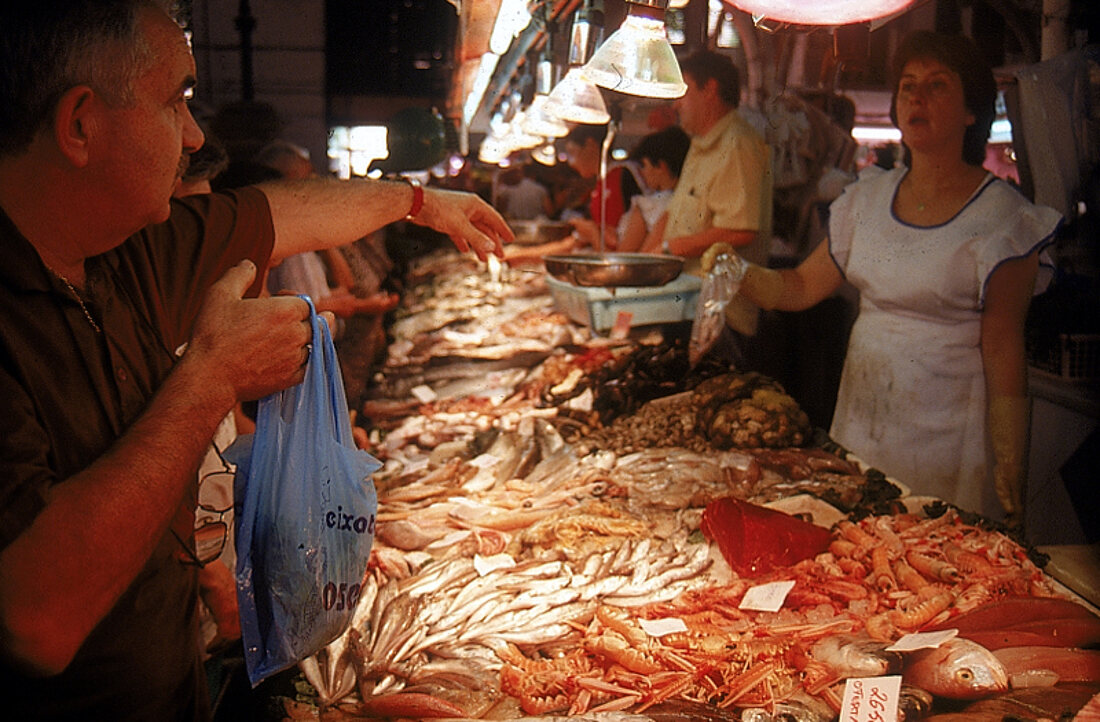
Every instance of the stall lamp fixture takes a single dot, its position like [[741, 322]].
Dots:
[[545, 154], [638, 59], [541, 123], [492, 150], [820, 12], [576, 100]]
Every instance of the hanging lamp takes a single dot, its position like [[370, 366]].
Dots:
[[820, 12], [575, 99], [638, 59]]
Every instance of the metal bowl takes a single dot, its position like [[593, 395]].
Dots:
[[530, 233], [614, 269]]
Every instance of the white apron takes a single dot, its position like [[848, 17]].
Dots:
[[912, 400]]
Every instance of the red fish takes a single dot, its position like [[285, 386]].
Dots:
[[755, 539], [957, 669], [1070, 665], [1028, 621]]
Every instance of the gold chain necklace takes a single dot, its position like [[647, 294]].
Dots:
[[80, 300]]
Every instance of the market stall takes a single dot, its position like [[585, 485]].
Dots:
[[574, 521]]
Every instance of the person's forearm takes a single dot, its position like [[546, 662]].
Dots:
[[1004, 360], [693, 245], [314, 214], [64, 574]]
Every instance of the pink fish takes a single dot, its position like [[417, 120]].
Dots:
[[957, 669], [1066, 665]]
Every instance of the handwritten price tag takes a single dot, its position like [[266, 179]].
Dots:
[[766, 597], [661, 627], [922, 640], [871, 699]]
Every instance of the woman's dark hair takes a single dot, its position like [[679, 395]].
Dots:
[[703, 65], [670, 145], [583, 132], [960, 54]]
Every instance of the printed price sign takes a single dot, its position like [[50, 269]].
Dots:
[[871, 699]]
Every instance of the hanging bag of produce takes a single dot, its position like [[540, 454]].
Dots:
[[306, 509]]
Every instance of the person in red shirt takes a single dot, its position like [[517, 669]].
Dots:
[[583, 151]]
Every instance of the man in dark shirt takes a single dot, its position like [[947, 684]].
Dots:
[[102, 280]]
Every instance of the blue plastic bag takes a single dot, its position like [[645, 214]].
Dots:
[[305, 515]]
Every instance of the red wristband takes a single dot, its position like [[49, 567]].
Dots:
[[418, 198]]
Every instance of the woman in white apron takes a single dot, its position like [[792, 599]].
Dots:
[[934, 388]]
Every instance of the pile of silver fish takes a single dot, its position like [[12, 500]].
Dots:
[[518, 576]]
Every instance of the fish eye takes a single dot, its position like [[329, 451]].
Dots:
[[966, 675]]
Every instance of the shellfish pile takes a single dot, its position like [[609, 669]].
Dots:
[[538, 553]]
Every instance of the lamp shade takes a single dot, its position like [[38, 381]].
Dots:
[[821, 12], [545, 154], [539, 122], [637, 60], [576, 100]]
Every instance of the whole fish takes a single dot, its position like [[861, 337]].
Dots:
[[957, 669], [1063, 664], [855, 656]]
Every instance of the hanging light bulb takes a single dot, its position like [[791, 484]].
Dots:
[[518, 137], [638, 59], [492, 150], [538, 122], [820, 12], [576, 100], [545, 154]]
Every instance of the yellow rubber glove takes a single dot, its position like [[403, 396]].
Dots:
[[1008, 430], [711, 255], [762, 286]]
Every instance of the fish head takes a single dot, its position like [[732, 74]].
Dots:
[[957, 669]]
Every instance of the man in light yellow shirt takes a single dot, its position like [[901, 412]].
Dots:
[[724, 194]]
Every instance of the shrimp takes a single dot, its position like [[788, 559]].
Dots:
[[921, 613], [909, 577], [933, 568], [882, 576]]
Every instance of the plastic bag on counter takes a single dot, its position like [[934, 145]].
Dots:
[[305, 516], [720, 285]]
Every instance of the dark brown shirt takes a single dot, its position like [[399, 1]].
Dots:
[[67, 391]]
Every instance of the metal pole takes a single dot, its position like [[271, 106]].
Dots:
[[246, 23], [612, 127]]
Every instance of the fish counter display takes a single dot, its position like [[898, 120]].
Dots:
[[586, 527]]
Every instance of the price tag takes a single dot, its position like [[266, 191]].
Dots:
[[871, 699], [661, 627], [621, 329], [766, 597], [922, 640], [423, 393]]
